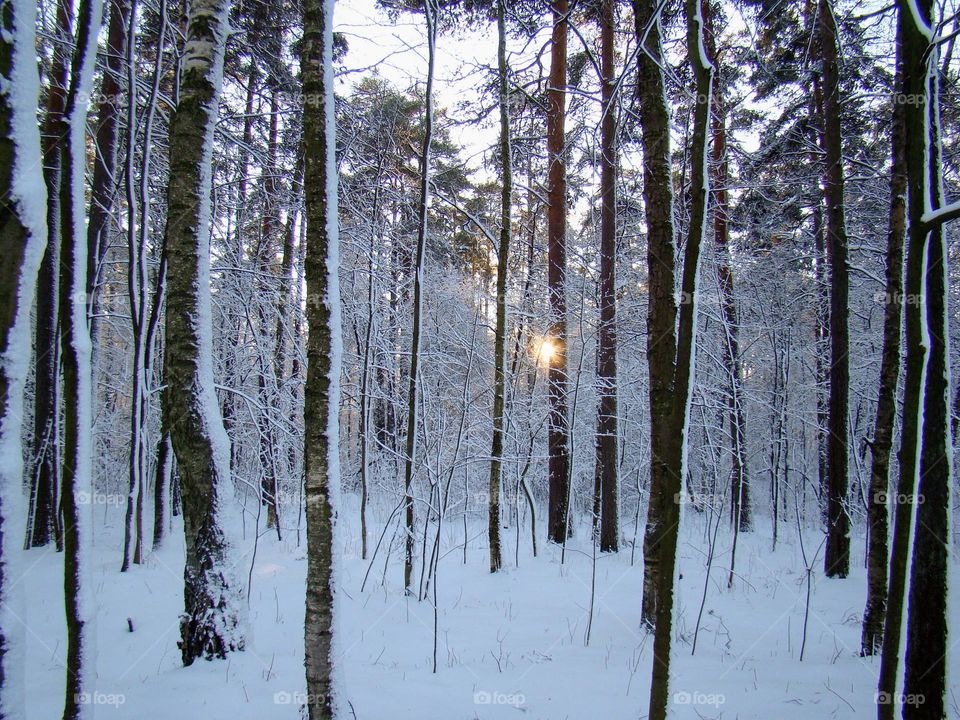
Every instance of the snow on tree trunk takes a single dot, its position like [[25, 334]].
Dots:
[[75, 347], [23, 233], [322, 390], [211, 625]]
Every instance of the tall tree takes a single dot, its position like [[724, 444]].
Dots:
[[927, 647], [877, 542], [558, 423], [607, 483], [503, 260], [837, 552], [77, 462], [23, 236], [211, 625], [322, 392], [430, 9], [669, 455], [44, 516]]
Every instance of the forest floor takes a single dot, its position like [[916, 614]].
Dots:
[[508, 646]]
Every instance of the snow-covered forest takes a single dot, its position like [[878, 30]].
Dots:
[[479, 359]]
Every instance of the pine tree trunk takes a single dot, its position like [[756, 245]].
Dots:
[[558, 439], [22, 235], [210, 625], [877, 544], [322, 392], [837, 553], [607, 443]]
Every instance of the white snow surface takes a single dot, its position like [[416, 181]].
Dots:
[[510, 645]]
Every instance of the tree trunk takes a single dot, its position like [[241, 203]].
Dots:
[[429, 8], [46, 397], [837, 553], [23, 236], [607, 443], [661, 302], [503, 259], [77, 469], [673, 465], [104, 185], [558, 423], [877, 548], [322, 392], [927, 627], [210, 626]]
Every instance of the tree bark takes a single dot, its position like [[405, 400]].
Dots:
[[46, 397], [877, 542], [607, 481], [23, 235], [210, 626], [661, 302], [673, 464], [77, 467], [322, 391], [430, 7], [837, 552], [927, 626]]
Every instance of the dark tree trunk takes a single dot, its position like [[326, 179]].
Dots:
[[77, 468], [661, 302], [558, 439], [607, 443], [877, 545], [104, 185], [673, 465], [503, 259], [837, 553], [46, 427], [927, 627], [22, 237]]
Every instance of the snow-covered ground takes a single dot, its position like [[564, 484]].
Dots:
[[508, 646]]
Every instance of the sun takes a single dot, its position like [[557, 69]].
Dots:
[[545, 350]]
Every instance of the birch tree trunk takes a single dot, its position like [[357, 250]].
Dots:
[[210, 626], [322, 392], [23, 235]]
